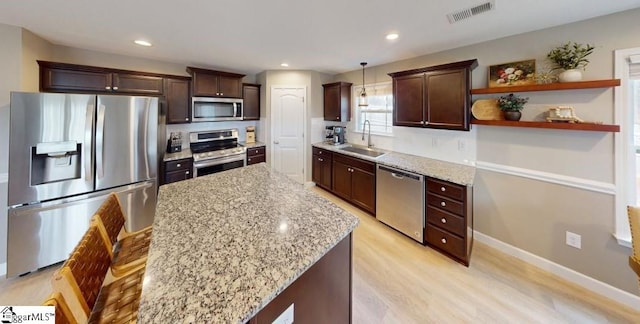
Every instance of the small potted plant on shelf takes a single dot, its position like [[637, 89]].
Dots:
[[511, 105], [570, 57]]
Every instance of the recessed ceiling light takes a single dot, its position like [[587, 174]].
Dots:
[[284, 65], [392, 36], [142, 42]]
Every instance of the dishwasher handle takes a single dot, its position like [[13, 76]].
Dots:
[[398, 174]]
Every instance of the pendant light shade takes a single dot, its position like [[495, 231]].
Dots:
[[362, 101]]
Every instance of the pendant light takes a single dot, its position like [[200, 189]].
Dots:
[[362, 102]]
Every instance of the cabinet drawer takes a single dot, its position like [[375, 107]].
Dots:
[[356, 163], [321, 152], [184, 164], [256, 151], [450, 205], [176, 176], [446, 221], [446, 242], [446, 189], [253, 159]]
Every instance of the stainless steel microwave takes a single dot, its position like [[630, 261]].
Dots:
[[205, 109]]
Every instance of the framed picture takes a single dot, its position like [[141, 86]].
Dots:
[[512, 74]]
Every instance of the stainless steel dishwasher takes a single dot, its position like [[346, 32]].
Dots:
[[400, 201]]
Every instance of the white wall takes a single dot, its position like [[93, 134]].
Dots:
[[313, 82]]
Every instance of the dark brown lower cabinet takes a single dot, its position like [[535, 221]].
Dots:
[[178, 170], [449, 213], [322, 169], [256, 155], [355, 181], [321, 294]]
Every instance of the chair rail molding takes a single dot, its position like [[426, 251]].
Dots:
[[575, 182]]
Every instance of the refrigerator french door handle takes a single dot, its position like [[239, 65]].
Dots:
[[100, 142], [88, 137]]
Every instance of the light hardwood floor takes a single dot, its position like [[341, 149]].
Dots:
[[397, 280]]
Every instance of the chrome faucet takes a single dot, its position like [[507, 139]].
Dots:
[[369, 138]]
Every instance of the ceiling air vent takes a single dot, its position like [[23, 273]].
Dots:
[[470, 12]]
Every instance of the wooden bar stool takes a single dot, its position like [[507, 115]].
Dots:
[[634, 223], [80, 283], [63, 313], [128, 252]]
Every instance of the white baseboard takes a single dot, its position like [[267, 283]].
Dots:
[[3, 269], [587, 282], [4, 177]]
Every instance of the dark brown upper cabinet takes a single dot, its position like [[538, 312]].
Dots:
[[337, 101], [210, 83], [251, 101], [178, 98], [434, 97], [63, 77]]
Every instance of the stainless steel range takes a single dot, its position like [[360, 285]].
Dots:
[[216, 151]]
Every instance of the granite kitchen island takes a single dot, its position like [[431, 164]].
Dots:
[[244, 245]]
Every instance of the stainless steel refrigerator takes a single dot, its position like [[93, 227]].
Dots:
[[67, 152]]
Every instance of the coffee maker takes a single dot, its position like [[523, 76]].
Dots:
[[339, 133]]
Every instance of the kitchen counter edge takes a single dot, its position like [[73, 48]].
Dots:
[[448, 171]]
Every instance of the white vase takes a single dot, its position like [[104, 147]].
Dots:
[[572, 75]]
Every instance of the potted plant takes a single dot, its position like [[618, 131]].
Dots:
[[511, 105], [570, 57]]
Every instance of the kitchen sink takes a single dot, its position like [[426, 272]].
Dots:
[[363, 151]]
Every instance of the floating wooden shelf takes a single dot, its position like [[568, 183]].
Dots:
[[551, 86], [548, 125]]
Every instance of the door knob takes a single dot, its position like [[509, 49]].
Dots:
[[443, 220]]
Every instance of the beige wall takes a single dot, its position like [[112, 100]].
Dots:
[[10, 38], [33, 48], [530, 214]]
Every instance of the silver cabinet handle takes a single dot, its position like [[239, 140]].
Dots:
[[115, 88], [337, 117], [107, 88], [187, 119], [443, 189], [222, 94], [444, 240], [320, 159], [186, 172], [249, 159], [319, 152], [178, 165], [443, 204], [443, 220]]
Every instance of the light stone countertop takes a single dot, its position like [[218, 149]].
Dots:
[[184, 154], [226, 244], [251, 145], [453, 172]]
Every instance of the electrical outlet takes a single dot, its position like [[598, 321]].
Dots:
[[461, 145], [574, 240]]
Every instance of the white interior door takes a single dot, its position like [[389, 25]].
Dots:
[[287, 111]]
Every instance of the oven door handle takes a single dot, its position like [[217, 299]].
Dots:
[[227, 159]]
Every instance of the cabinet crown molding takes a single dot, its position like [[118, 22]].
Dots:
[[191, 70], [470, 64]]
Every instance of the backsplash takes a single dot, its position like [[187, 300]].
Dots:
[[446, 145], [208, 126]]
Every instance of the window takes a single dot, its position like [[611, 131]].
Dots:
[[627, 142], [380, 109]]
